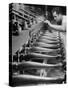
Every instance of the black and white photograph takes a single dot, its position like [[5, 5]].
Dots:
[[37, 44]]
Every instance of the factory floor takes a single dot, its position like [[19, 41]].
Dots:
[[19, 40]]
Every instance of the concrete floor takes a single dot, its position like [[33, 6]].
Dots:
[[18, 41]]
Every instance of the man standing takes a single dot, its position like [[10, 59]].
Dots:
[[61, 24]]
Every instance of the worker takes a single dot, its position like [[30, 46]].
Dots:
[[60, 19]]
